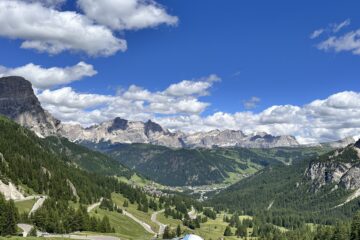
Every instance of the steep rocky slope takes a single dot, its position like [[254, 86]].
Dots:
[[18, 102], [340, 168]]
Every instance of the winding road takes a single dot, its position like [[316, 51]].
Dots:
[[161, 225], [142, 223], [93, 206]]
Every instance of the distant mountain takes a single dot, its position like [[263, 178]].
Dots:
[[123, 131], [342, 143]]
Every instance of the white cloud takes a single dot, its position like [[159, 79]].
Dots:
[[186, 87], [317, 33], [134, 102], [43, 78], [67, 97], [127, 14], [336, 27], [331, 28], [350, 42], [328, 119], [251, 103], [48, 3], [49, 30]]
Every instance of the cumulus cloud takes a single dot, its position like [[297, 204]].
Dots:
[[48, 3], [43, 78], [186, 87], [251, 103], [134, 102], [49, 30], [321, 120], [127, 14]]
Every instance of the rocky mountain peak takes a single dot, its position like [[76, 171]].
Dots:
[[19, 103], [153, 127], [357, 144], [117, 124]]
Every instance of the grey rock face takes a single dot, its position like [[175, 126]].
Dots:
[[18, 102], [238, 138], [123, 131], [341, 168]]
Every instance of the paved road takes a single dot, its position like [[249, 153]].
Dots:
[[93, 206], [161, 225], [38, 204], [143, 224]]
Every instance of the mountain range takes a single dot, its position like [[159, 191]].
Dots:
[[18, 102]]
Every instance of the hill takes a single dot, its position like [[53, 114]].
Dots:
[[319, 189], [201, 166]]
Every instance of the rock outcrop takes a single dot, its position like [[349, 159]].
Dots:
[[340, 168], [18, 102]]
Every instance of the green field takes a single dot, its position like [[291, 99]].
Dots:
[[125, 228], [212, 229], [118, 199], [25, 206]]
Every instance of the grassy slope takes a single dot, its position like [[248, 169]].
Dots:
[[25, 206], [125, 228], [212, 229], [118, 199]]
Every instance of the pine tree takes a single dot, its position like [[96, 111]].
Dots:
[[178, 231], [355, 227], [227, 231], [167, 234]]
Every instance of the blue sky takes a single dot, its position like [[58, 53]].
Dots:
[[259, 49]]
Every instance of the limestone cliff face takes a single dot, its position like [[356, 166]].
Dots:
[[340, 167], [18, 102]]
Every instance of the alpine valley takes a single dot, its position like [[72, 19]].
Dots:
[[137, 180]]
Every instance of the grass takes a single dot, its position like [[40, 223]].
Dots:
[[118, 199], [125, 228], [32, 238], [212, 229], [25, 206], [139, 181]]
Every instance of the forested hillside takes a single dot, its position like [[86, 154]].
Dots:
[[179, 167], [92, 161], [28, 161], [284, 195]]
